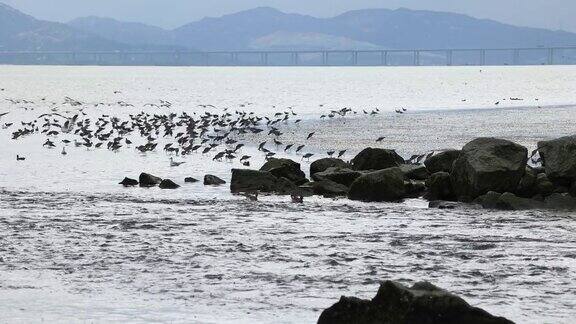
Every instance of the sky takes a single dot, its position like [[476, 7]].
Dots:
[[550, 14]]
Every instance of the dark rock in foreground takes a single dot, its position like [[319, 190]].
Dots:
[[383, 185], [212, 180], [440, 187], [343, 176], [376, 159], [127, 182], [488, 164], [148, 180], [559, 159], [285, 168], [395, 303], [326, 188], [322, 164], [244, 180], [442, 162], [414, 171], [168, 184], [190, 180]]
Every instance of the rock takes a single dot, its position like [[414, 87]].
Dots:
[[383, 185], [442, 162], [527, 186], [440, 187], [168, 184], [285, 168], [414, 171], [572, 189], [190, 180], [489, 200], [343, 176], [561, 202], [414, 188], [376, 159], [508, 201], [148, 180], [397, 304], [440, 204], [212, 180], [127, 182], [287, 187], [488, 164], [322, 164], [252, 180], [544, 186], [559, 159], [328, 188]]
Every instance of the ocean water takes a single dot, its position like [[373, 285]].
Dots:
[[77, 247]]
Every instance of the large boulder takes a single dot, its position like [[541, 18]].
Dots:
[[488, 164], [558, 201], [190, 180], [148, 180], [376, 159], [442, 162], [397, 304], [285, 168], [382, 185], [559, 158], [252, 180], [127, 182], [440, 187], [414, 171], [544, 186], [527, 185], [414, 188], [326, 188], [322, 164], [168, 184], [508, 201], [343, 176], [212, 180]]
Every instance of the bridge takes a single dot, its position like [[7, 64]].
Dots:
[[384, 57]]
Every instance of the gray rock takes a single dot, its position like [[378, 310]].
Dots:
[[488, 164], [321, 165], [382, 185], [342, 176], [414, 188], [415, 171], [285, 168], [544, 186], [440, 187], [148, 180], [489, 200], [423, 303], [244, 180], [376, 159], [190, 180], [168, 184], [559, 158], [508, 201], [212, 180], [441, 204], [287, 187], [442, 162], [127, 182], [527, 185], [572, 190], [561, 202], [328, 188]]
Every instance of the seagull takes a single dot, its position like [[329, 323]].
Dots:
[[380, 139], [310, 135], [341, 153], [307, 156], [64, 150], [20, 158], [174, 163]]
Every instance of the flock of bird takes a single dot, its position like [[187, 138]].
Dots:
[[222, 135]]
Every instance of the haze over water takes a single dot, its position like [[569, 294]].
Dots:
[[76, 244]]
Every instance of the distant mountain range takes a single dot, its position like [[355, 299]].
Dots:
[[270, 29]]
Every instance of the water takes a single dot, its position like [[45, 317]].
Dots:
[[75, 246]]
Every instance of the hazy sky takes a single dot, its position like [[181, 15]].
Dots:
[[552, 14]]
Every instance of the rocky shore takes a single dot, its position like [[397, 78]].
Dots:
[[487, 172]]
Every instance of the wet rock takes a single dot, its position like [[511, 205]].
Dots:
[[244, 180], [572, 190], [376, 159], [414, 171], [442, 162], [212, 180], [148, 180], [383, 185], [527, 185], [544, 186], [508, 201], [168, 184], [440, 187], [563, 201], [488, 164], [559, 158], [328, 188], [414, 188], [287, 187], [441, 204], [343, 176], [285, 168], [127, 182], [397, 304], [322, 164], [190, 180]]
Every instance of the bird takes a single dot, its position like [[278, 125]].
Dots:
[[20, 158], [341, 153], [299, 148], [380, 139], [64, 150], [310, 135], [174, 163], [307, 156], [330, 153]]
